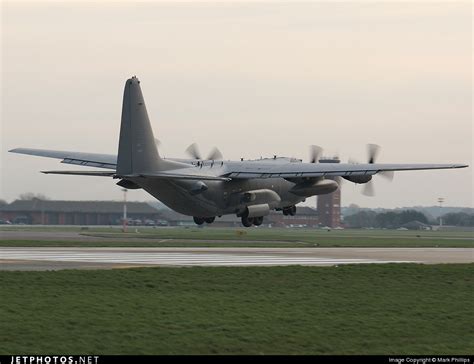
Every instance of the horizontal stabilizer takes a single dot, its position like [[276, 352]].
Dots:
[[108, 161], [82, 173]]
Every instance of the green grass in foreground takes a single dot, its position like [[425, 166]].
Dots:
[[318, 243], [358, 309], [230, 232], [261, 237]]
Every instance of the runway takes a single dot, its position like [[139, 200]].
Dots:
[[46, 258]]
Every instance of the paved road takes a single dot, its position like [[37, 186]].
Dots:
[[45, 258]]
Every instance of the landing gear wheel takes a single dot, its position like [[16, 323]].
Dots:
[[210, 220], [198, 220], [257, 221], [285, 212], [292, 210], [247, 221]]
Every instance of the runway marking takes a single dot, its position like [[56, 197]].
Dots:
[[179, 259]]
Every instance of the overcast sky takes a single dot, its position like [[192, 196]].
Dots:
[[254, 79]]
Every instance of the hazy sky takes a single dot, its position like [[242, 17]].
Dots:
[[254, 79]]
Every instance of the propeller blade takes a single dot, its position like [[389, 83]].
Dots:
[[315, 152], [387, 175], [193, 151], [373, 151], [339, 180], [368, 189], [215, 155]]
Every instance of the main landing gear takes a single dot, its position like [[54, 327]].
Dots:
[[246, 221], [290, 210], [202, 220], [257, 221], [249, 221]]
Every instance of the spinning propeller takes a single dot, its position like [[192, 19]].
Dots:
[[373, 151], [193, 151], [315, 152]]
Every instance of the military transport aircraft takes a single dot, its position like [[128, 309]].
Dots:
[[208, 187]]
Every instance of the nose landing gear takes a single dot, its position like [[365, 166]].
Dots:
[[201, 220]]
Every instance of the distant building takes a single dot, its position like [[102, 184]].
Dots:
[[305, 217], [50, 212], [329, 205]]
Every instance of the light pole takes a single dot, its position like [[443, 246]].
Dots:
[[440, 200], [124, 219]]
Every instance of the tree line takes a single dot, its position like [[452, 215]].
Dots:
[[458, 219], [396, 219]]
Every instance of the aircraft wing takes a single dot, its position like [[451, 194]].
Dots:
[[178, 174], [108, 161], [186, 173], [245, 170], [233, 170], [82, 173]]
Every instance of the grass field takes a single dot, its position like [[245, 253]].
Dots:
[[261, 237], [355, 309]]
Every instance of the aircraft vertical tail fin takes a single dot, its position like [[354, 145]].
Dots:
[[137, 151]]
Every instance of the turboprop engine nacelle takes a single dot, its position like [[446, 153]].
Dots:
[[262, 196], [359, 179], [258, 210], [258, 202], [316, 188]]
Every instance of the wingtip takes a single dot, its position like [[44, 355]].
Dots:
[[20, 150]]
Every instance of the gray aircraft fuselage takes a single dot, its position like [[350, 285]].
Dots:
[[220, 198]]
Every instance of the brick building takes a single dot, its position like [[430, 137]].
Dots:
[[50, 212], [305, 217], [329, 205]]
